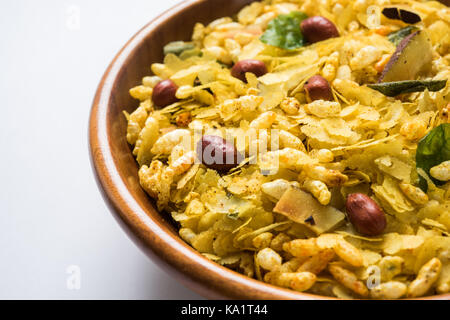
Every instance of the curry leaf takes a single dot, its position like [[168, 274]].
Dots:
[[433, 149], [392, 89], [397, 36], [284, 31], [177, 47]]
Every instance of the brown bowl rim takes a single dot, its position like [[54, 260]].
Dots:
[[203, 276]]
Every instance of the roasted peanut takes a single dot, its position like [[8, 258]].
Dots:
[[318, 88], [217, 154], [257, 67], [365, 214], [318, 28], [164, 93]]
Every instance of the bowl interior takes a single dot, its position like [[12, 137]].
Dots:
[[116, 169]]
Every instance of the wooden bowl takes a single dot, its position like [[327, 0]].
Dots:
[[116, 169]]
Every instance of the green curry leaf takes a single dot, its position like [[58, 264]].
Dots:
[[392, 89], [397, 36], [433, 149], [178, 47], [284, 31]]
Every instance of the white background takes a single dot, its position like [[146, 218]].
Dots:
[[51, 213]]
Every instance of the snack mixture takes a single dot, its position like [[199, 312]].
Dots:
[[307, 144]]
